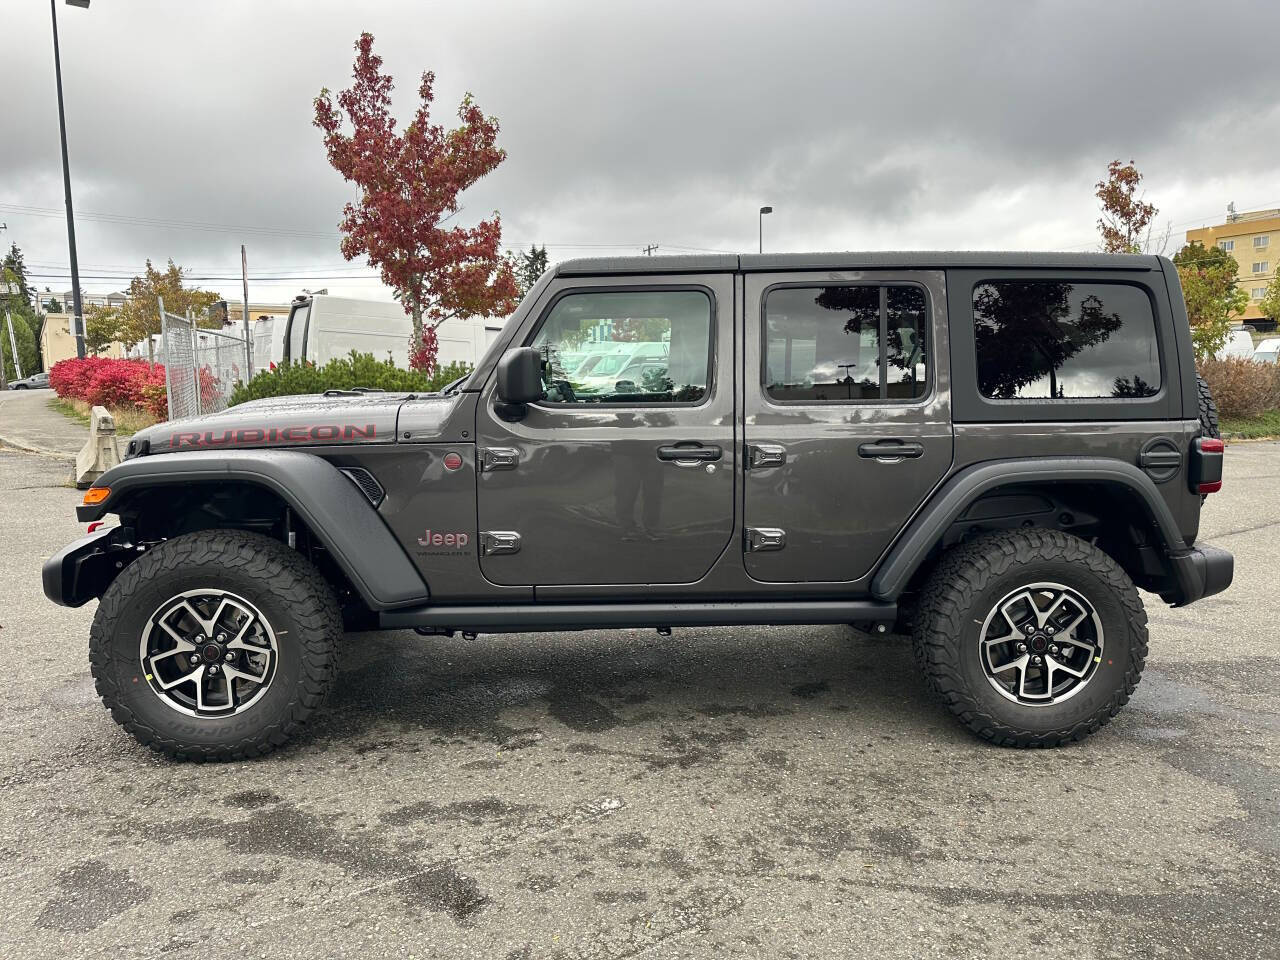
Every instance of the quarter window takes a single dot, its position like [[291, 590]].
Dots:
[[627, 347], [1046, 339], [846, 343]]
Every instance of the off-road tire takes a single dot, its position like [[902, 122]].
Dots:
[[288, 590], [971, 578], [1208, 409]]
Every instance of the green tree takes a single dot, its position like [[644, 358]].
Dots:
[[139, 316], [26, 327], [529, 267], [101, 327], [16, 265], [1214, 299], [1270, 302]]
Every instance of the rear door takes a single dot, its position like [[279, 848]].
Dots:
[[847, 416]]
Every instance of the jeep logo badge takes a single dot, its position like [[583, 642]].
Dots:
[[434, 538]]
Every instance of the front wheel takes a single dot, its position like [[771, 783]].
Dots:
[[215, 645], [1033, 638]]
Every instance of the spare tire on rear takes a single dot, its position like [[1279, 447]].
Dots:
[[1208, 409]]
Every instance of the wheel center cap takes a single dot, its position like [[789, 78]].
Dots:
[[211, 652], [1039, 643]]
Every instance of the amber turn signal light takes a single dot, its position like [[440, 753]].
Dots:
[[96, 495]]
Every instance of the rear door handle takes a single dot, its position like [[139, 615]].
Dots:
[[891, 450], [690, 453]]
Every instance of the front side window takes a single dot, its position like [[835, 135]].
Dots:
[[650, 346], [845, 343], [1041, 339]]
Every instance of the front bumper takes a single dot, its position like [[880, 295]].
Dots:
[[1200, 572], [81, 571]]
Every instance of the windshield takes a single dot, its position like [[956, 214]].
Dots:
[[608, 366], [297, 332]]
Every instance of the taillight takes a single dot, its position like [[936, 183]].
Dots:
[[1205, 475]]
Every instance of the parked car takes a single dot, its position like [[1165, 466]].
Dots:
[[37, 381], [1239, 344], [989, 452], [1267, 350], [320, 328]]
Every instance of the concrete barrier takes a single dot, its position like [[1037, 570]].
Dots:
[[101, 453]]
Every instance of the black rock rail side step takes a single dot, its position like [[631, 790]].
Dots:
[[526, 618]]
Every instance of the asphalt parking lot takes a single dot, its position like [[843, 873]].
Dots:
[[782, 792]]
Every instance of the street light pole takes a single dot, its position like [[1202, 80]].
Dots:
[[763, 211], [78, 316]]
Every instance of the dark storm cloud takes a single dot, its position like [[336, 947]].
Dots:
[[865, 125]]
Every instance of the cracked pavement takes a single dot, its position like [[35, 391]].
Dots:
[[721, 793]]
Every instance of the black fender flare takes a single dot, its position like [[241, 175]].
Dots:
[[928, 526], [331, 506]]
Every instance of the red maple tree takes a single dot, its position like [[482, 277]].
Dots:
[[1125, 215], [409, 185]]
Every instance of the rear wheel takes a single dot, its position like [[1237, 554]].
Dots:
[[215, 645], [1033, 638]]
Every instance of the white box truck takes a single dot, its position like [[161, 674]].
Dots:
[[320, 328]]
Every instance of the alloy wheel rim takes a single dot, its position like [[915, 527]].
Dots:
[[208, 653], [1041, 644]]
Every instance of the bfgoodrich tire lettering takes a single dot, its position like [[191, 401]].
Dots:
[[973, 579], [290, 594]]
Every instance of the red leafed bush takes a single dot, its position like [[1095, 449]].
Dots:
[[112, 383]]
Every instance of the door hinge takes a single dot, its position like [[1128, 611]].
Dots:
[[493, 542], [763, 455], [498, 458], [765, 539]]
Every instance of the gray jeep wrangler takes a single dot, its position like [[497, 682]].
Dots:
[[991, 452]]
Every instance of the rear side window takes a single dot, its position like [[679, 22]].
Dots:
[[1049, 339], [850, 343]]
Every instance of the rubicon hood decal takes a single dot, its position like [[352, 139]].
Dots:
[[304, 421]]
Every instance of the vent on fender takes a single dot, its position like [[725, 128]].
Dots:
[[367, 483]]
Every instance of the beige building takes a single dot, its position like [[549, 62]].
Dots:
[[57, 342], [1253, 239]]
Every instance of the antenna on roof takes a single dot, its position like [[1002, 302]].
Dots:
[[1231, 212]]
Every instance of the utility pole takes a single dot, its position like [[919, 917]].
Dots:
[[649, 250], [248, 343], [77, 317], [763, 211]]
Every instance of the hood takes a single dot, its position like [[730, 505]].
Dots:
[[302, 421]]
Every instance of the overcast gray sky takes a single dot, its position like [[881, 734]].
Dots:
[[905, 125]]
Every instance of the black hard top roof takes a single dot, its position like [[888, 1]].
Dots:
[[877, 260]]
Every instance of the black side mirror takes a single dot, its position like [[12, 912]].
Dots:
[[520, 376]]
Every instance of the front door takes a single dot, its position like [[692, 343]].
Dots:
[[847, 417], [624, 472]]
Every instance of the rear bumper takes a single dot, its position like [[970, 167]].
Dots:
[[1200, 572]]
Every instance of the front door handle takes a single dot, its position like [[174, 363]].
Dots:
[[690, 453], [891, 450]]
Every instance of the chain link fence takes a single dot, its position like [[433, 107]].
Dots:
[[201, 366]]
